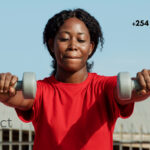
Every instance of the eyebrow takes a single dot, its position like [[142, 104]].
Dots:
[[69, 32]]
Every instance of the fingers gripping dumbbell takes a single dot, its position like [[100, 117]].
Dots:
[[27, 85], [125, 85]]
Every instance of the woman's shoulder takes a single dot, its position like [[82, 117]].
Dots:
[[98, 78], [46, 80], [95, 75]]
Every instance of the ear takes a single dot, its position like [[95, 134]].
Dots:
[[51, 44], [92, 45]]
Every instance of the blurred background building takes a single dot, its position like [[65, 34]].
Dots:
[[134, 133], [14, 134]]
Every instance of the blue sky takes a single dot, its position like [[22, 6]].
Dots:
[[126, 47]]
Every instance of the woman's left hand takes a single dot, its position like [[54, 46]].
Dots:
[[143, 78]]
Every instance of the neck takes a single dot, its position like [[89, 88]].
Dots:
[[71, 77]]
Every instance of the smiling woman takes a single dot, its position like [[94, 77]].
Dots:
[[83, 29], [73, 109], [72, 47]]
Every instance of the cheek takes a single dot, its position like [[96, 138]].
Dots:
[[59, 50], [86, 51]]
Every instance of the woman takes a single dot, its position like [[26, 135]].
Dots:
[[73, 109]]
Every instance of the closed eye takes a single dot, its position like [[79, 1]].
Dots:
[[81, 41], [63, 39]]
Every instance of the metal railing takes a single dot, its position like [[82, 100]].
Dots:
[[132, 140], [12, 139]]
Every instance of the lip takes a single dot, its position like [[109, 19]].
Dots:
[[71, 57]]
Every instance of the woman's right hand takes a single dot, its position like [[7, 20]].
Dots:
[[7, 82]]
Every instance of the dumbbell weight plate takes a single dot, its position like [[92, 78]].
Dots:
[[29, 85], [124, 86]]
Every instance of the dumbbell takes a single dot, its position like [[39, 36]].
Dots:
[[27, 85], [125, 86]]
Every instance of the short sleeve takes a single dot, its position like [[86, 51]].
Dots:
[[32, 114], [117, 110]]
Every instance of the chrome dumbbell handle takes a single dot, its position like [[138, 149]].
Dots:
[[18, 86], [136, 86]]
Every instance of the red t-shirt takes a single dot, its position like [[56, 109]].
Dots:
[[79, 116]]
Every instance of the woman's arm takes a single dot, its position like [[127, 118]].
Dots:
[[9, 96]]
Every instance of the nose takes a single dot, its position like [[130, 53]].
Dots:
[[72, 44]]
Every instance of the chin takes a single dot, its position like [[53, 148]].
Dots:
[[73, 65], [72, 68]]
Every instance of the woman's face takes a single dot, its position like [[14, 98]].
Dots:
[[72, 45]]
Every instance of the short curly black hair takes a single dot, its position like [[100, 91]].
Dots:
[[58, 20]]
